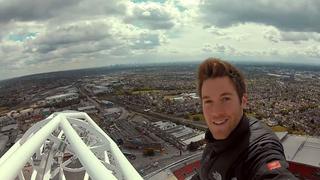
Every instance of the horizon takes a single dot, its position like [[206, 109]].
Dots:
[[262, 63]]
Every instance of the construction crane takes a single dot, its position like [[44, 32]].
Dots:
[[66, 142]]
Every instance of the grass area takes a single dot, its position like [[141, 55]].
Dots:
[[290, 131], [197, 117], [146, 91], [169, 97], [297, 132], [279, 128], [3, 109], [252, 114]]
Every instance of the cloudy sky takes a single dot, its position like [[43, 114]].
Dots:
[[51, 35]]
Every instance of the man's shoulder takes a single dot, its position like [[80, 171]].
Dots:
[[254, 123], [260, 130], [264, 148]]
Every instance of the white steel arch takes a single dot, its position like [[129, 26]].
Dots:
[[44, 145]]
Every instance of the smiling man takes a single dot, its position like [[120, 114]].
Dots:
[[238, 147]]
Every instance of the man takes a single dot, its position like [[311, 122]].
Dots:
[[238, 147]]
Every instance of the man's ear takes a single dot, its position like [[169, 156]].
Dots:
[[244, 100]]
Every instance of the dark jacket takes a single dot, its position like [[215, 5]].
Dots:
[[252, 151]]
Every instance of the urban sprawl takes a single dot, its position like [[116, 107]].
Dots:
[[153, 112]]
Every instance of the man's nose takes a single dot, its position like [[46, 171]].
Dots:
[[217, 110]]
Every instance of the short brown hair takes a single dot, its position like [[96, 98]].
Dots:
[[214, 67]]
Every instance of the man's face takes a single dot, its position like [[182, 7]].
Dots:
[[222, 109]]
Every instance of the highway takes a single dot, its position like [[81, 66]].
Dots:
[[201, 125]]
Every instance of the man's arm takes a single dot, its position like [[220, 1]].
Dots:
[[267, 161], [275, 170], [196, 177]]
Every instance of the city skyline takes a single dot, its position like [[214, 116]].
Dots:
[[48, 36]]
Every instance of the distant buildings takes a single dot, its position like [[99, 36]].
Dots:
[[180, 134], [107, 104], [56, 99], [3, 143], [8, 133], [88, 109], [112, 113], [164, 125], [101, 89], [6, 120]]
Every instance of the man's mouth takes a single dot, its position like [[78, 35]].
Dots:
[[221, 122]]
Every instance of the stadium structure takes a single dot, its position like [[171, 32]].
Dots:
[[66, 145]]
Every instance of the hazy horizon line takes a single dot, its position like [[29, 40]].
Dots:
[[175, 62]]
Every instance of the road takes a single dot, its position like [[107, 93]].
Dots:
[[201, 125]]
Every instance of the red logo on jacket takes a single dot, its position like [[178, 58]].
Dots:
[[273, 165]]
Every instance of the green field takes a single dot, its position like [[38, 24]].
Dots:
[[196, 117], [146, 91]]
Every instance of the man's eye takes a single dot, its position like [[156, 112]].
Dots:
[[225, 99], [207, 102]]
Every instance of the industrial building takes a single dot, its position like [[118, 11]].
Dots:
[[88, 109], [180, 135], [61, 97], [302, 152]]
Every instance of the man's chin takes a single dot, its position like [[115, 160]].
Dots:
[[220, 136]]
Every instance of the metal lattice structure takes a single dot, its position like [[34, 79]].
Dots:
[[45, 145]]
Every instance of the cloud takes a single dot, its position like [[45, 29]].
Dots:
[[216, 31], [28, 10], [277, 36], [207, 48], [69, 34], [152, 15], [121, 51], [19, 17], [39, 36], [58, 10], [286, 15], [313, 51], [148, 41], [219, 48], [272, 35], [80, 39], [11, 55], [299, 36]]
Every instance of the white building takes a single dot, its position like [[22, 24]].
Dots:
[[88, 109], [61, 97], [112, 111], [5, 120], [3, 142], [164, 125], [9, 127], [101, 89]]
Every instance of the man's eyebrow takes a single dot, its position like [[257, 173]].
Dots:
[[205, 97], [226, 94]]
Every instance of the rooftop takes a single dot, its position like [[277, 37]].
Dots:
[[301, 149]]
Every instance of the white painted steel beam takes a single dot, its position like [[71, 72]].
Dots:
[[125, 167], [93, 155], [94, 167], [10, 168]]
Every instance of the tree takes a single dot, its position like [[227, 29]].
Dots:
[[193, 146], [196, 118], [148, 152]]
